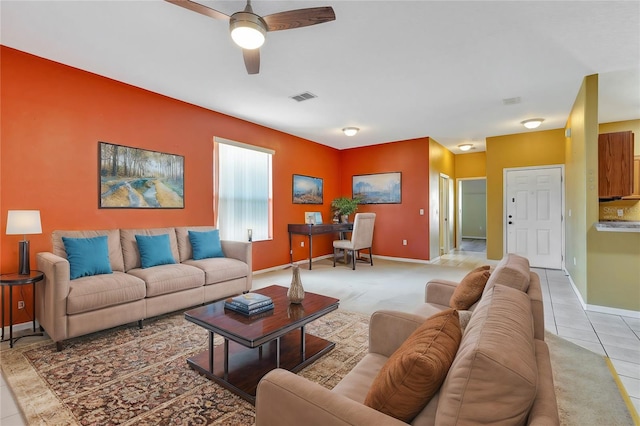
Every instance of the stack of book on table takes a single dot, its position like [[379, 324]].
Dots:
[[249, 303]]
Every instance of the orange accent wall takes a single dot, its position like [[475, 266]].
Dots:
[[53, 117], [395, 222]]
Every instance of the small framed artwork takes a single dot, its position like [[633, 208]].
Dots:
[[379, 188], [134, 178], [307, 190], [313, 218]]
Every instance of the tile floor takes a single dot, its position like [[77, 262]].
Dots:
[[614, 336]]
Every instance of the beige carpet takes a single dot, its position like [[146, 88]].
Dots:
[[130, 376], [586, 391]]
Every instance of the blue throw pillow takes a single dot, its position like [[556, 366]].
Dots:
[[154, 250], [87, 256], [206, 244]]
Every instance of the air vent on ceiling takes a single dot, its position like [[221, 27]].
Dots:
[[511, 101], [303, 96]]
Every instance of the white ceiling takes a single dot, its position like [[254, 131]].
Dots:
[[396, 69]]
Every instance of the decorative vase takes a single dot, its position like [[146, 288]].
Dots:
[[296, 292], [344, 218]]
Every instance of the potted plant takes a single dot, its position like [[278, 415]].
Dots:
[[343, 207]]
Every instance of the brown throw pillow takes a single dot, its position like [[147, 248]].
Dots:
[[470, 288], [416, 370]]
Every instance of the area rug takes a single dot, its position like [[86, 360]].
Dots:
[[586, 391], [127, 376]]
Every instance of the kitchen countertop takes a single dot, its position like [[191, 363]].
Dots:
[[618, 226]]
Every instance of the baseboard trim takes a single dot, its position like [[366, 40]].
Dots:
[[18, 328], [598, 308], [304, 263]]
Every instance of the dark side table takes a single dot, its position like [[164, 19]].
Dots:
[[12, 280]]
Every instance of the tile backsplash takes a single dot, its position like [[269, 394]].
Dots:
[[630, 210]]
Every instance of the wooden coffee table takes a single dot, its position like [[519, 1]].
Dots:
[[253, 346]]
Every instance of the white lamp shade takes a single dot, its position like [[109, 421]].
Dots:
[[23, 222]]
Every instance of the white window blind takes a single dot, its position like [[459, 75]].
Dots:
[[244, 191]]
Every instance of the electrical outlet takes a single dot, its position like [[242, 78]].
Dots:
[[20, 304], [620, 212], [574, 261], [301, 243], [404, 242]]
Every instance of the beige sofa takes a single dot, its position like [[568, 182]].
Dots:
[[68, 308], [501, 373]]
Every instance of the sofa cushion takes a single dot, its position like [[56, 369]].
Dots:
[[493, 378], [87, 256], [469, 290], [183, 242], [512, 271], [164, 279], [130, 252], [101, 291], [414, 372], [356, 384], [113, 242], [154, 250], [206, 245], [220, 269]]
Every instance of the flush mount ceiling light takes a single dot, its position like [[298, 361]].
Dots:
[[532, 123], [247, 29], [465, 146], [350, 131]]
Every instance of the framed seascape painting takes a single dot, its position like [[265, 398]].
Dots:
[[307, 190], [379, 188], [137, 178]]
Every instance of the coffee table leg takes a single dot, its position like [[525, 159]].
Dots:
[[303, 348], [226, 359], [278, 352], [211, 335]]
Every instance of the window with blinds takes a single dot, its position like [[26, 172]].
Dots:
[[243, 191]]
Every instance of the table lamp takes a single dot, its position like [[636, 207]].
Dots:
[[23, 222]]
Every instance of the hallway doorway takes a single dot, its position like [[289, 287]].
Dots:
[[471, 230]]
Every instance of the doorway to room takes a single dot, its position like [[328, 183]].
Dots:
[[472, 215]]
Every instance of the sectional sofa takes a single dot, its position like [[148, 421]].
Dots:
[[500, 371], [67, 308]]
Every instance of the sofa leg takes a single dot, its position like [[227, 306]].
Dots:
[[58, 346], [140, 324]]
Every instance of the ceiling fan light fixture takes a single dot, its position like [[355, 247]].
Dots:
[[465, 146], [350, 131], [532, 123], [247, 30]]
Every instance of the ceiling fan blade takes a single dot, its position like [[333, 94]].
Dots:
[[197, 7], [252, 60], [299, 18]]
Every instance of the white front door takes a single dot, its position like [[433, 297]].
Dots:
[[533, 220]]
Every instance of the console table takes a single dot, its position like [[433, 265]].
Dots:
[[311, 230]]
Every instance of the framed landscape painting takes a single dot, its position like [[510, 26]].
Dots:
[[379, 188], [137, 178], [307, 190]]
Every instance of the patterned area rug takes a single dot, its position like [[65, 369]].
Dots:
[[127, 376]]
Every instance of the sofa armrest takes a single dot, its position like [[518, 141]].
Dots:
[[439, 291], [537, 307], [389, 329], [51, 294], [242, 251], [284, 398], [544, 411]]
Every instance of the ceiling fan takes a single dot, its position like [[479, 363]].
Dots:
[[248, 29]]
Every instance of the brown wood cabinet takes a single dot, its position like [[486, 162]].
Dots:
[[615, 165], [635, 195]]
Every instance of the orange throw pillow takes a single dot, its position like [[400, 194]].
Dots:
[[470, 288], [416, 370]]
